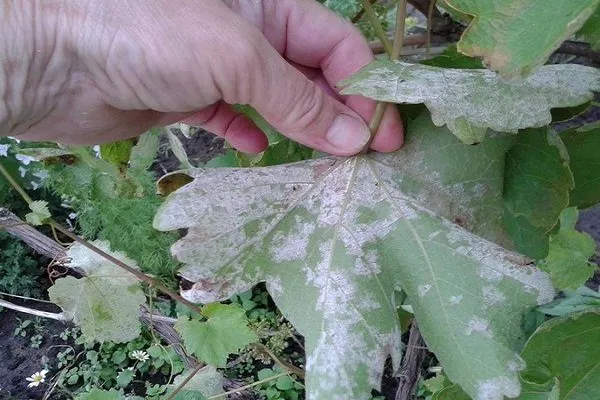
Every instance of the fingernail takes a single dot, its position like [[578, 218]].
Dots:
[[348, 134]]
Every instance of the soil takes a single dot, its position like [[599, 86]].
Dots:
[[18, 360]]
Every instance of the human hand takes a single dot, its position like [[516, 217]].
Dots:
[[102, 71]]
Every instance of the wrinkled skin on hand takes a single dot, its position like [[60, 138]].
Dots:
[[125, 66]]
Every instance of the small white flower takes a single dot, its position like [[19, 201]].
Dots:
[[4, 150], [37, 378], [25, 160], [22, 171], [96, 149], [140, 355], [15, 139]]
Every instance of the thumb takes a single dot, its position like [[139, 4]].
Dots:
[[301, 110]]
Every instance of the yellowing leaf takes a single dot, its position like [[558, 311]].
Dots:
[[516, 36], [39, 212], [105, 303]]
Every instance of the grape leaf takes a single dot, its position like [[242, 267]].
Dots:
[[205, 383], [39, 212], [570, 251], [335, 238], [224, 332], [566, 349], [573, 301], [507, 33], [583, 146], [537, 185], [590, 31], [105, 303], [469, 101], [546, 391]]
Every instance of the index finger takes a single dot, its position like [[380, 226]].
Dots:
[[309, 34]]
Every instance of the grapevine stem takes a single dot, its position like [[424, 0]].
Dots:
[[379, 31], [392, 50], [15, 185], [291, 368], [430, 26], [140, 275], [399, 32]]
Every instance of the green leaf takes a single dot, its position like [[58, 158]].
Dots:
[[583, 145], [334, 239], [453, 392], [471, 101], [178, 149], [566, 349], [547, 391], [143, 153], [98, 394], [590, 31], [229, 159], [125, 377], [39, 213], [224, 332], [205, 383], [536, 189], [117, 153], [516, 36], [105, 303], [573, 301], [570, 251], [435, 384], [451, 58]]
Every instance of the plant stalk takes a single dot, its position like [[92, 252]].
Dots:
[[379, 31]]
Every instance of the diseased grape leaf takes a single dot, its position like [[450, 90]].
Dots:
[[335, 238], [590, 31], [570, 251], [566, 349], [508, 34], [470, 101], [105, 303], [536, 189], [205, 383], [583, 146], [224, 332]]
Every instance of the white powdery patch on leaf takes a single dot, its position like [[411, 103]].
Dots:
[[469, 101], [335, 238]]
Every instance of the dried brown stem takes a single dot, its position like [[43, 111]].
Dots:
[[411, 364]]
